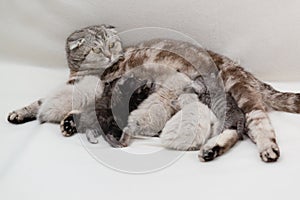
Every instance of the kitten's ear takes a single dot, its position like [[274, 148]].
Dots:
[[75, 44]]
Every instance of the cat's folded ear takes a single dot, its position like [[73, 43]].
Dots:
[[109, 26], [75, 44]]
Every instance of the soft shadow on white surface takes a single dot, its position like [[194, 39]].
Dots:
[[37, 162]]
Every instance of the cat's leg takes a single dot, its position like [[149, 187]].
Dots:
[[262, 134], [78, 106], [56, 106], [218, 145], [26, 114], [86, 122], [259, 126], [245, 89]]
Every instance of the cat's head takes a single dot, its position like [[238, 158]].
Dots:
[[93, 47]]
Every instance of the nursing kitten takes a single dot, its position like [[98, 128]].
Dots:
[[119, 98], [152, 114], [191, 127], [234, 119], [254, 97], [89, 52]]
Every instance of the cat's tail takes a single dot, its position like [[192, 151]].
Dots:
[[281, 101]]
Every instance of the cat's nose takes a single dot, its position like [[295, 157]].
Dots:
[[107, 54]]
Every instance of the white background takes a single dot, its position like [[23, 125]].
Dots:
[[263, 35], [38, 163]]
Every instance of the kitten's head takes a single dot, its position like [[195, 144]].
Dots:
[[184, 99], [93, 47], [197, 86], [134, 86]]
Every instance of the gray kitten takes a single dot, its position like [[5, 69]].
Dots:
[[232, 119], [191, 127]]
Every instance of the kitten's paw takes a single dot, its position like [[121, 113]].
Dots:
[[91, 138], [68, 124], [114, 142], [19, 117], [208, 154], [270, 153], [125, 139]]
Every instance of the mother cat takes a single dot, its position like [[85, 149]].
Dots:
[[161, 56]]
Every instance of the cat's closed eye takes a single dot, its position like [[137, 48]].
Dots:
[[96, 50], [111, 45]]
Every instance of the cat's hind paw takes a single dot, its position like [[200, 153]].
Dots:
[[68, 124], [270, 153], [208, 154]]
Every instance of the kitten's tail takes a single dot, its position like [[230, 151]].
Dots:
[[281, 101]]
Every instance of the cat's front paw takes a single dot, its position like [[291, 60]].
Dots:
[[19, 117], [68, 124], [208, 153], [269, 152]]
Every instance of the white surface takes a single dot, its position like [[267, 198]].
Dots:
[[263, 35], [37, 162]]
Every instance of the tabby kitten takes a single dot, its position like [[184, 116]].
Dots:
[[233, 118], [254, 97]]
